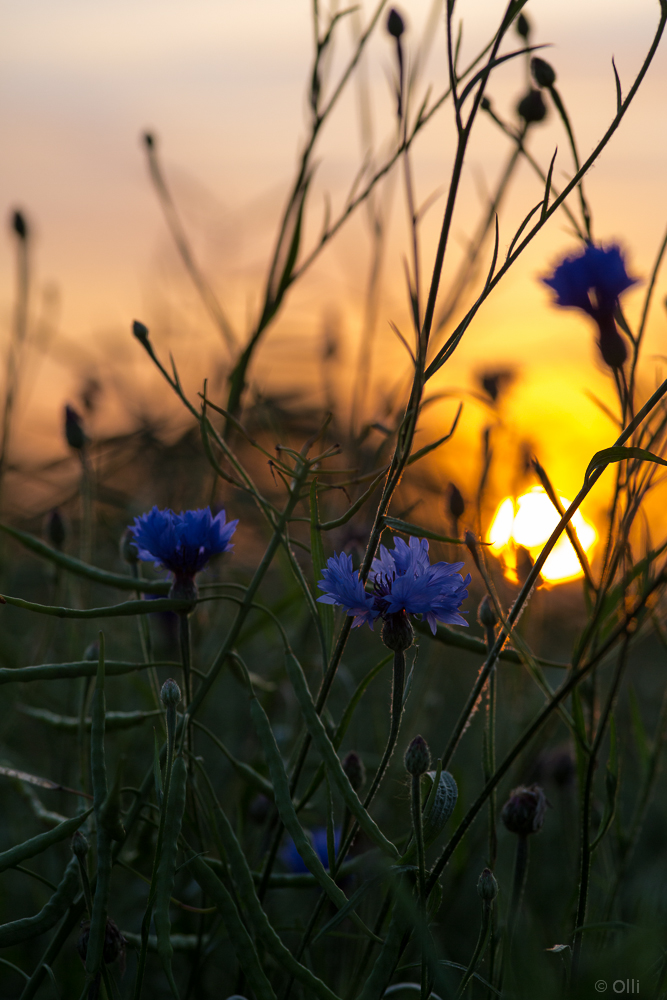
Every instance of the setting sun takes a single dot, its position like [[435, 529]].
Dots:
[[528, 522]]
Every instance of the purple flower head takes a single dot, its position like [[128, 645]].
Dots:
[[404, 583], [593, 280], [182, 543]]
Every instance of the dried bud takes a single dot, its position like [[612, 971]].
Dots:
[[457, 504], [395, 24], [544, 75], [128, 549], [417, 757], [397, 632], [92, 652], [486, 615], [80, 845], [523, 813], [55, 529], [140, 332], [170, 695], [115, 944], [522, 26], [487, 887], [74, 429], [532, 107], [354, 768], [19, 225]]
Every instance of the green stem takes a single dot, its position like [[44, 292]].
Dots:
[[480, 948], [416, 800]]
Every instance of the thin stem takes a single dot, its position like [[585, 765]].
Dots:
[[416, 801], [480, 948]]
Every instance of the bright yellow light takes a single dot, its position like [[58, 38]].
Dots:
[[529, 521]]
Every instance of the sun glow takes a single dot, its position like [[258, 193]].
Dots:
[[528, 522]]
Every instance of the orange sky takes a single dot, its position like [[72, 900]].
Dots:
[[222, 84]]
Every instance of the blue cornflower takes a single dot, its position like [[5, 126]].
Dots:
[[593, 280], [293, 861], [404, 583], [182, 543]]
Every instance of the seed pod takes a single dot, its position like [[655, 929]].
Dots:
[[417, 757], [441, 808], [166, 871], [523, 813], [29, 927]]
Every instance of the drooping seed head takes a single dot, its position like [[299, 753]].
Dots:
[[523, 813], [417, 757]]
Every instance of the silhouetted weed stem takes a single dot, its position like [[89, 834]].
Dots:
[[586, 846], [19, 332]]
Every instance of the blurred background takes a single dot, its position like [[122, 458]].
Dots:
[[223, 88]]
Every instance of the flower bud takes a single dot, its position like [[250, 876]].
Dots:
[[486, 615], [532, 107], [487, 887], [115, 944], [80, 845], [55, 529], [523, 813], [149, 140], [544, 74], [417, 757], [395, 24], [128, 549], [140, 332], [522, 26], [397, 632], [354, 768], [170, 695], [74, 429], [485, 104], [19, 225], [92, 652], [611, 343], [457, 504]]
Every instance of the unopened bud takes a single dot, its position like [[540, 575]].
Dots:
[[532, 107], [170, 694], [80, 845], [544, 74], [397, 632], [395, 24], [485, 104], [523, 813], [74, 429], [128, 548], [457, 504], [140, 332], [354, 768], [486, 615], [487, 887], [19, 225], [417, 757], [522, 26], [92, 652], [149, 140], [55, 529]]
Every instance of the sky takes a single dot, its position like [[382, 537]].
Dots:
[[222, 86]]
